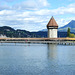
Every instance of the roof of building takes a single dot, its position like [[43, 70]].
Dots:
[[52, 22]]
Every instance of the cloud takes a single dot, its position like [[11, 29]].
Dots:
[[31, 4], [35, 19], [22, 20], [63, 21], [70, 9], [24, 5]]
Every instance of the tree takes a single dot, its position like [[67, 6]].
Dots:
[[68, 32], [72, 35]]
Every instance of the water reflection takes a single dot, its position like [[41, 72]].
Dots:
[[61, 59], [52, 51], [62, 55], [37, 59]]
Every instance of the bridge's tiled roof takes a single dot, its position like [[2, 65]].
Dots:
[[52, 22]]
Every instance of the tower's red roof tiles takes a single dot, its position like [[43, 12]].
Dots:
[[52, 23]]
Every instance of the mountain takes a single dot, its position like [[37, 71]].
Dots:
[[71, 25], [6, 28], [44, 30], [10, 32], [41, 34]]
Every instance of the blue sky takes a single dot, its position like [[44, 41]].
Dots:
[[33, 15]]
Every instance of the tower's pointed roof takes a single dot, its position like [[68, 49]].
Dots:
[[52, 22]]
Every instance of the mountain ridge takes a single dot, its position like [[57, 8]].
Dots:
[[12, 33], [70, 25]]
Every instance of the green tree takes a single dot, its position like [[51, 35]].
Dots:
[[72, 35], [68, 32]]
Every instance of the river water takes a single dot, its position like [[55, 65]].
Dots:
[[37, 59]]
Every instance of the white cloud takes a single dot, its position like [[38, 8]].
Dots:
[[43, 2], [7, 12], [63, 21], [34, 20], [4, 7], [21, 20], [23, 5], [31, 4], [70, 9]]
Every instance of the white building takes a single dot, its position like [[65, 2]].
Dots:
[[52, 27], [3, 36]]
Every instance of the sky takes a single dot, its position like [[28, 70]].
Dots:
[[33, 15]]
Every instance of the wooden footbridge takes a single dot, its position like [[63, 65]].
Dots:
[[61, 41]]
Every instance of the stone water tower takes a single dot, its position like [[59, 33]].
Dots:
[[52, 27]]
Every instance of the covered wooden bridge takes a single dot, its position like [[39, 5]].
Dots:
[[64, 41]]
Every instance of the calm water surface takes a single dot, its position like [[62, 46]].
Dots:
[[36, 59]]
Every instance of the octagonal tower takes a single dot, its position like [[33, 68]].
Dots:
[[52, 27]]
